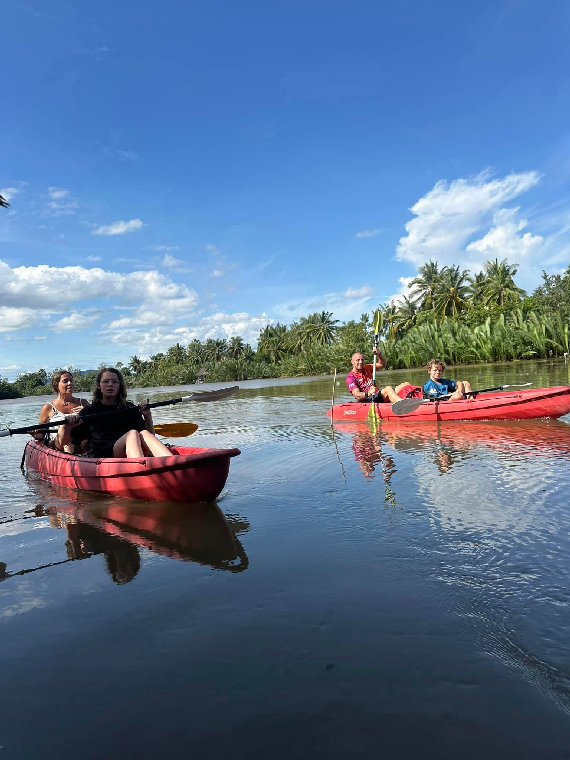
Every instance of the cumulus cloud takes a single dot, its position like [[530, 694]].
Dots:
[[503, 239], [148, 341], [368, 233], [14, 318], [461, 222], [75, 321], [119, 228], [49, 288]]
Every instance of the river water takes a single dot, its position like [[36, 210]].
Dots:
[[354, 593]]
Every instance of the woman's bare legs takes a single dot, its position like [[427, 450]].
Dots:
[[156, 447], [134, 445], [128, 445]]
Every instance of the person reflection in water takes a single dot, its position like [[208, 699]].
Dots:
[[368, 453], [122, 560]]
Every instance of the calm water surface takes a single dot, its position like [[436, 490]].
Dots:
[[353, 593]]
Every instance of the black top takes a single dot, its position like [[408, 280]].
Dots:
[[102, 432]]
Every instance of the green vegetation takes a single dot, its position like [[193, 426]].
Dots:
[[461, 319]]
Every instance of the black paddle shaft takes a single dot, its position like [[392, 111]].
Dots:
[[408, 405], [214, 395]]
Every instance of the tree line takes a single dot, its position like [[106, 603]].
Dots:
[[460, 318]]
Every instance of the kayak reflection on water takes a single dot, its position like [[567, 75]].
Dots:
[[119, 529], [450, 442]]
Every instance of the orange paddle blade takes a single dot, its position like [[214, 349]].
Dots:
[[176, 429]]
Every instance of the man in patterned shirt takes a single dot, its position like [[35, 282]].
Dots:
[[359, 381]]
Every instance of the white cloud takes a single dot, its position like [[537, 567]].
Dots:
[[148, 341], [451, 216], [344, 306], [503, 239], [9, 192], [164, 248], [217, 273], [13, 318], [45, 287], [75, 321], [171, 262], [61, 202], [57, 193], [368, 233], [358, 293], [119, 228]]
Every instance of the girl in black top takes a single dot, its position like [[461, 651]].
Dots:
[[127, 433]]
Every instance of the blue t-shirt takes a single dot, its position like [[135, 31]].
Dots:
[[442, 388]]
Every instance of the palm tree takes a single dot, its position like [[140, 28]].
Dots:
[[406, 315], [477, 287], [500, 287], [235, 347], [3, 202], [271, 342], [216, 349], [176, 354], [452, 292], [318, 329], [424, 285], [135, 364], [195, 351], [389, 319]]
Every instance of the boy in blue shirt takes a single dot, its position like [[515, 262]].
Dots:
[[438, 386]]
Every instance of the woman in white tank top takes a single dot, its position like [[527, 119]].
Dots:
[[59, 409]]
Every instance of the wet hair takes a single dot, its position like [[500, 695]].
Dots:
[[435, 363], [56, 377], [121, 396]]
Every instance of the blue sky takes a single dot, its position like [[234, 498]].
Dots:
[[182, 170]]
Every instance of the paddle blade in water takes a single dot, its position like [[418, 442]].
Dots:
[[176, 429]]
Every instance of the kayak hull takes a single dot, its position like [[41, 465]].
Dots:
[[525, 404], [189, 475]]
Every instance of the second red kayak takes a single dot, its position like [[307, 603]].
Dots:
[[525, 404], [190, 474]]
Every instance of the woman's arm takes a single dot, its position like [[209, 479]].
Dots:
[[45, 415], [147, 416]]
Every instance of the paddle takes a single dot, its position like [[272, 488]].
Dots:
[[407, 405], [376, 326], [176, 429], [214, 395]]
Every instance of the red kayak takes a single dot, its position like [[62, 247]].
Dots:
[[525, 404], [190, 474]]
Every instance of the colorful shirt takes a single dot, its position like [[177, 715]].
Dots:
[[441, 388], [360, 381]]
